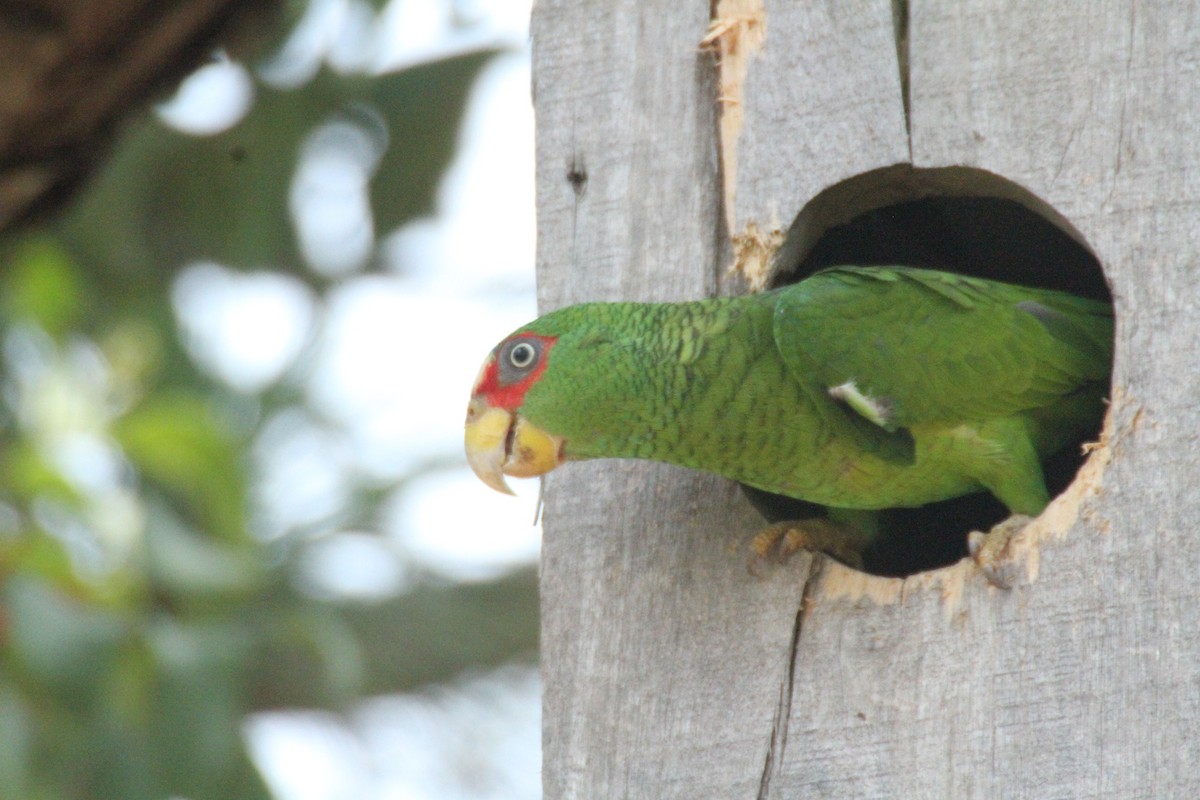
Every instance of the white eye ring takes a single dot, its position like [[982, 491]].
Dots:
[[522, 355]]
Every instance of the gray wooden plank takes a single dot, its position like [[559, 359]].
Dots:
[[626, 158], [665, 662], [1084, 682], [662, 656], [822, 104]]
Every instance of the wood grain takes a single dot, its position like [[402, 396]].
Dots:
[[656, 642], [670, 670]]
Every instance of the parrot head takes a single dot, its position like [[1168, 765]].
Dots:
[[562, 388], [499, 439], [573, 384]]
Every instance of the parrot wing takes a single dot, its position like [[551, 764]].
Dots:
[[899, 346]]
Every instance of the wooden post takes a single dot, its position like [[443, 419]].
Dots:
[[670, 670]]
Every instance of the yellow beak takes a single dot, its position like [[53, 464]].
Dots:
[[500, 443]]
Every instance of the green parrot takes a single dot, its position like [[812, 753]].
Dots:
[[858, 389]]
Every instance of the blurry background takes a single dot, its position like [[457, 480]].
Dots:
[[240, 553]]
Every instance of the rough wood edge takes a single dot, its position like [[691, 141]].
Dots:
[[754, 254], [738, 31], [841, 583]]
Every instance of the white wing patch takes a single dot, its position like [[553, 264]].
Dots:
[[876, 410]]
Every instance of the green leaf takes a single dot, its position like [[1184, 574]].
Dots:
[[16, 731], [38, 554], [42, 285], [184, 563], [197, 690], [25, 473], [175, 441], [61, 641]]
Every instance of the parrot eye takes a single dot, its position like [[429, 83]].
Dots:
[[517, 358], [522, 355]]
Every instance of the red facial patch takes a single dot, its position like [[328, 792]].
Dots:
[[511, 394]]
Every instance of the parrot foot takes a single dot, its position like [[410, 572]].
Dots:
[[990, 550], [781, 540]]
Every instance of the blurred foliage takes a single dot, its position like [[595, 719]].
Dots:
[[167, 197], [140, 618]]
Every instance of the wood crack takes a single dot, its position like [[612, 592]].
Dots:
[[900, 20], [783, 711]]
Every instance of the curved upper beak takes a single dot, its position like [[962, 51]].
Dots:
[[499, 443]]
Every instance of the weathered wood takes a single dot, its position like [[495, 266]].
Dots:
[[670, 670], [653, 647], [822, 104]]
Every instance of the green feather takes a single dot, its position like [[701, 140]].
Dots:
[[858, 388]]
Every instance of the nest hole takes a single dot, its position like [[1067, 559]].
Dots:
[[956, 219]]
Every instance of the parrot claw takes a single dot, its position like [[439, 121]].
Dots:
[[990, 551], [781, 540]]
